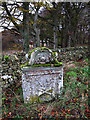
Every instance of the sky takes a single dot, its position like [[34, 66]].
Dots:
[[44, 0], [1, 29]]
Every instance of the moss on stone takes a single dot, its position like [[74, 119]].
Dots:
[[34, 99], [53, 53], [54, 63], [6, 57], [42, 65], [38, 48], [50, 91]]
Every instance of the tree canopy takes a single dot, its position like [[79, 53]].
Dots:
[[56, 23]]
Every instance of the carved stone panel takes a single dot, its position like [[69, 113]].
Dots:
[[41, 56], [41, 83]]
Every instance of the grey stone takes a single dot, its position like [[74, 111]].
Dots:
[[43, 83], [41, 56]]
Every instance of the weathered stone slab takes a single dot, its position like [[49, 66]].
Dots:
[[41, 83]]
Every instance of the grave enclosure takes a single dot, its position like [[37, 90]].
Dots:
[[42, 79]]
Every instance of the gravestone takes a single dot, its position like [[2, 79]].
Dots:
[[41, 56], [42, 79]]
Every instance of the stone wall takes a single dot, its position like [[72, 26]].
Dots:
[[72, 54], [10, 66]]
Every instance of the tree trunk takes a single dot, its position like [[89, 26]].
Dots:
[[37, 30], [69, 41], [54, 36], [55, 26], [62, 36], [26, 26], [74, 38], [38, 37]]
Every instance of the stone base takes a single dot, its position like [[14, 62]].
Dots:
[[41, 83]]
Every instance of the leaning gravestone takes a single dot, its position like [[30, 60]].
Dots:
[[42, 76]]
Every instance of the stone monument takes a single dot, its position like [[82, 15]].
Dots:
[[42, 77]]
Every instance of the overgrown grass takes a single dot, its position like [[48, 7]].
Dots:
[[73, 102]]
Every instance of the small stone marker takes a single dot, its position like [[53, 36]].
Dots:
[[41, 83]]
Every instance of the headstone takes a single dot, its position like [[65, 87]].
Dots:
[[41, 83], [41, 56]]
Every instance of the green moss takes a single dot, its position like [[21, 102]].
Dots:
[[0, 59], [34, 99], [57, 65], [24, 65], [47, 97], [6, 57], [42, 65], [54, 63], [38, 48], [53, 53], [50, 91]]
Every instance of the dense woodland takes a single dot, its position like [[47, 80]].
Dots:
[[56, 24]]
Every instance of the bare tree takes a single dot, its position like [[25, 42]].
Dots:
[[24, 16]]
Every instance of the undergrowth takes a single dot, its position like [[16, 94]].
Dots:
[[73, 102]]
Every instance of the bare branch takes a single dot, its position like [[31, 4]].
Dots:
[[10, 16]]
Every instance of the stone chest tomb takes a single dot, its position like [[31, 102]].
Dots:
[[42, 76]]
